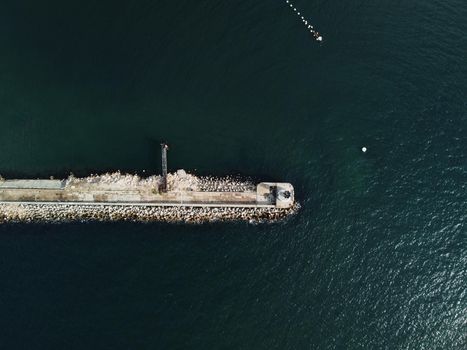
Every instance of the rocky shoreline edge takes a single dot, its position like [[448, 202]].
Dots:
[[56, 213]]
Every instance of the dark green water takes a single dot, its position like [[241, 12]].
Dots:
[[376, 258]]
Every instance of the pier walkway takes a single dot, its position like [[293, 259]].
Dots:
[[267, 195]]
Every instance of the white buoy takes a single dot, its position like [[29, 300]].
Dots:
[[320, 38], [364, 149]]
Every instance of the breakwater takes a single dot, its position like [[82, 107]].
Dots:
[[125, 197], [196, 215]]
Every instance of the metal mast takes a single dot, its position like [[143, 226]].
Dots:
[[164, 149]]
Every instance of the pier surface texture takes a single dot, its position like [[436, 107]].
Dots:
[[130, 192]]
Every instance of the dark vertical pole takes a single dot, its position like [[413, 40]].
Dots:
[[164, 149]]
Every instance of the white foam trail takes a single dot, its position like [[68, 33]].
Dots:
[[316, 35]]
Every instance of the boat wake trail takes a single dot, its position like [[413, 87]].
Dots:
[[306, 22]]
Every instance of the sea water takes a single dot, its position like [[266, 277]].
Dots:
[[375, 259]]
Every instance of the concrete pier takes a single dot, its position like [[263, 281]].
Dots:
[[117, 197], [75, 192]]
